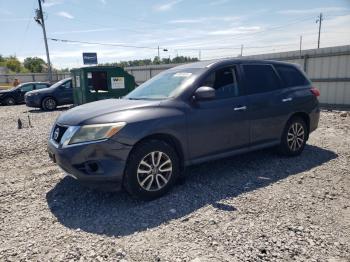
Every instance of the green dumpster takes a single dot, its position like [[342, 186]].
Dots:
[[100, 82]]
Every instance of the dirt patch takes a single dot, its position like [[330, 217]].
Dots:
[[255, 207]]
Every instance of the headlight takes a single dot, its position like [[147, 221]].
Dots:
[[96, 132]]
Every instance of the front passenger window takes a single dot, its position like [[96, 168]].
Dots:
[[224, 81], [27, 88], [67, 84]]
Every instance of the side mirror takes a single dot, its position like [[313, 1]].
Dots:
[[204, 93]]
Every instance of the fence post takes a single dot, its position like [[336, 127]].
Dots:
[[33, 77], [305, 63]]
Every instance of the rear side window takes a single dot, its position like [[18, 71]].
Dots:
[[260, 78], [224, 82], [291, 76]]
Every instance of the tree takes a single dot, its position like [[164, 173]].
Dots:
[[34, 64], [13, 64], [156, 60]]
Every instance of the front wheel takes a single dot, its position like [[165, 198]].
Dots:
[[152, 169], [294, 137], [49, 104], [10, 101]]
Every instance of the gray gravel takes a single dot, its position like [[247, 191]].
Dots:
[[255, 207]]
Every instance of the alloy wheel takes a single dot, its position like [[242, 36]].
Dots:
[[154, 171], [50, 104], [295, 136], [10, 102]]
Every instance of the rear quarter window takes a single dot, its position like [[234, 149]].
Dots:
[[291, 76], [260, 78]]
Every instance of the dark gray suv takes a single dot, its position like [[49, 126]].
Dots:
[[186, 115]]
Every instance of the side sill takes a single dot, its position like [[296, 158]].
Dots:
[[230, 153]]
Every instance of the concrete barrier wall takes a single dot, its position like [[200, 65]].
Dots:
[[328, 68], [42, 77]]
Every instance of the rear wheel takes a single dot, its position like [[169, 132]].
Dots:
[[152, 169], [294, 137], [10, 101], [48, 104]]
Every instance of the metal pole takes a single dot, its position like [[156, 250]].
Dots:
[[319, 20], [158, 53], [241, 50], [199, 55], [46, 45], [301, 41]]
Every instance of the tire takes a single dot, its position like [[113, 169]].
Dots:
[[48, 104], [294, 137], [147, 179], [10, 101]]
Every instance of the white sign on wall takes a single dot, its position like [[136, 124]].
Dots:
[[77, 81], [117, 82]]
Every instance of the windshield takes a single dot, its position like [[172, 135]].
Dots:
[[59, 83], [15, 87], [163, 86]]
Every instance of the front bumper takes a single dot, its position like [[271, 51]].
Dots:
[[99, 164], [33, 101]]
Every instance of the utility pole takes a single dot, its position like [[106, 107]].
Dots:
[[241, 50], [301, 41], [158, 53], [319, 21], [199, 55], [40, 20]]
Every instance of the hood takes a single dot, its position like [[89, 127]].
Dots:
[[40, 91], [104, 111], [5, 91]]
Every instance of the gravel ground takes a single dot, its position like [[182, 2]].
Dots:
[[254, 207]]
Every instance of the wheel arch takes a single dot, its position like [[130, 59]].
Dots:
[[167, 138], [305, 117], [9, 97], [47, 96]]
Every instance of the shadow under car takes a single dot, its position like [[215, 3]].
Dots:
[[117, 214]]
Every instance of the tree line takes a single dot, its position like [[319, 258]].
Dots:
[[154, 61], [38, 65], [29, 65]]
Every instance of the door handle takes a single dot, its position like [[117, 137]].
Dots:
[[287, 99], [242, 108]]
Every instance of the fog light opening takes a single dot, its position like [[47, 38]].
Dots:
[[92, 167]]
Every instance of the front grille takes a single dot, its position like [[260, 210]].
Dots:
[[58, 132]]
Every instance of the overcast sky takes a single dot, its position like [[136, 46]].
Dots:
[[216, 27]]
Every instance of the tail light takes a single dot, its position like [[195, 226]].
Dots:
[[315, 91]]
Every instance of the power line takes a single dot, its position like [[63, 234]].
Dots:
[[156, 48], [104, 44], [174, 49]]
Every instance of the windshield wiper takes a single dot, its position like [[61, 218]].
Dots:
[[144, 98], [132, 98]]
